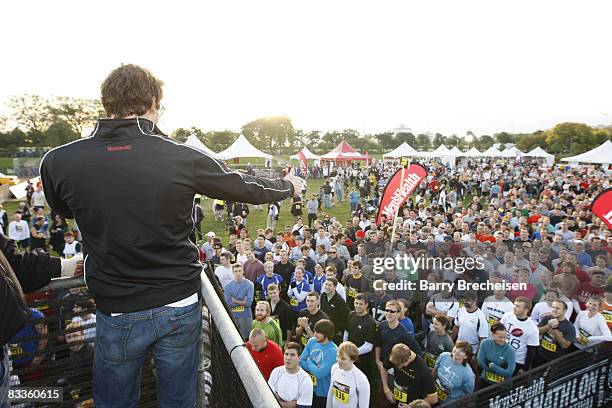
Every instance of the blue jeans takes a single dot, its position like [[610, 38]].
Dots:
[[121, 344], [327, 200], [5, 377]]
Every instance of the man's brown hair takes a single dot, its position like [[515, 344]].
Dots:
[[130, 90]]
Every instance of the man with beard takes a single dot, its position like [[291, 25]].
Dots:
[[264, 322]]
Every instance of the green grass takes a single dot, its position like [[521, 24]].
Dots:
[[6, 163], [255, 220]]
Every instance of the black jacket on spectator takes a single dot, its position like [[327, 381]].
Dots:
[[132, 189], [30, 271]]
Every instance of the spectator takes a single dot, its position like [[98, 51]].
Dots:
[[266, 353]]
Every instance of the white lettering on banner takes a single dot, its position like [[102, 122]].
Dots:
[[608, 216], [397, 198], [584, 388]]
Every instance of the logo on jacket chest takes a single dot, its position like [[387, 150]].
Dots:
[[118, 148]]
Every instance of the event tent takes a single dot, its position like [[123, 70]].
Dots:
[[344, 153], [307, 153], [512, 152], [242, 148], [403, 150], [193, 141], [456, 151], [473, 152], [492, 152], [539, 152], [602, 154]]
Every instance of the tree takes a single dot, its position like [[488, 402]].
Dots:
[[423, 142], [79, 113], [484, 142], [438, 140], [271, 133], [529, 142], [30, 112], [504, 137], [405, 137], [14, 138], [57, 134], [451, 141], [219, 140], [180, 134], [313, 139], [386, 141], [570, 138], [330, 140]]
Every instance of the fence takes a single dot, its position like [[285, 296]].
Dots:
[[580, 379], [52, 352]]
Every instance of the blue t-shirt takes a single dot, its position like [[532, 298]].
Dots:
[[317, 359], [25, 343], [407, 323], [317, 282], [458, 379], [242, 290], [264, 281]]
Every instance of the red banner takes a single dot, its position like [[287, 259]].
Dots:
[[602, 207], [302, 158], [401, 185]]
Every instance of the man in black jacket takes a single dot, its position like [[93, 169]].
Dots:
[[19, 273], [140, 264]]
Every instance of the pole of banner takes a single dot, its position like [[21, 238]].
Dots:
[[405, 164]]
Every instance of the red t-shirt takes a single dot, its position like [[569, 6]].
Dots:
[[584, 291], [485, 238], [267, 359]]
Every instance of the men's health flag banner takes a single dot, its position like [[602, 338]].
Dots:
[[401, 185]]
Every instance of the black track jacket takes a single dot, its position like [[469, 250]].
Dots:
[[131, 191]]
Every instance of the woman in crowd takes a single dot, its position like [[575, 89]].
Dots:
[[453, 375], [349, 387]]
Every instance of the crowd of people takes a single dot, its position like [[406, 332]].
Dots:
[[327, 319], [312, 306]]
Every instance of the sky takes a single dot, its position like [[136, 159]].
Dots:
[[437, 66]]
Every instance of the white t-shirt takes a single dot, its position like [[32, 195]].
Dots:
[[472, 327], [593, 328], [291, 387], [520, 335], [494, 309], [18, 230], [542, 310], [38, 199], [448, 305], [348, 389], [224, 274]]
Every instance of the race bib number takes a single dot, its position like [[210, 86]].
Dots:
[[314, 380], [430, 359], [341, 392], [441, 391], [352, 292], [400, 395], [304, 341], [493, 378], [238, 309], [548, 345], [608, 317], [15, 349], [492, 320], [293, 302], [584, 336]]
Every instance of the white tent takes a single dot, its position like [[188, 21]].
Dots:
[[403, 150], [456, 151], [539, 152], [492, 152], [443, 151], [308, 154], [242, 148], [473, 152], [512, 152], [193, 141], [602, 154]]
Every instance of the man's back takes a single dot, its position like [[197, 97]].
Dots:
[[132, 190]]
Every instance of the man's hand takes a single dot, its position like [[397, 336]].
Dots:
[[297, 182]]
